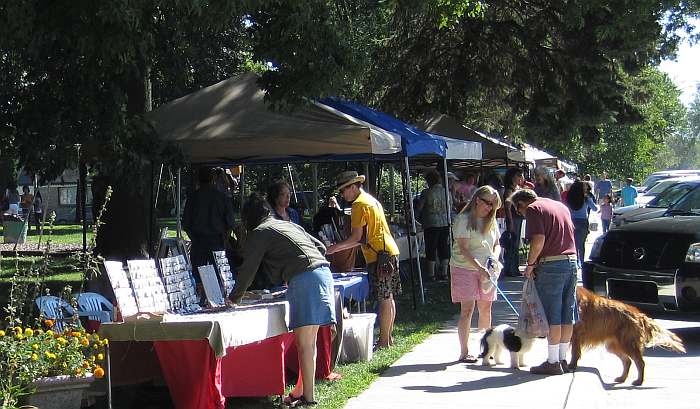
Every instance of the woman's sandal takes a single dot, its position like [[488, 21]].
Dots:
[[469, 359], [291, 401], [301, 402]]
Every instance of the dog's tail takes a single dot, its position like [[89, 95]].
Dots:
[[485, 343], [656, 336]]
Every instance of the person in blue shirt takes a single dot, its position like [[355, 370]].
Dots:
[[278, 196], [629, 193], [580, 203], [603, 187]]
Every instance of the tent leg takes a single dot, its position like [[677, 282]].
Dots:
[[314, 175], [447, 199], [392, 193], [407, 216], [412, 234], [178, 203]]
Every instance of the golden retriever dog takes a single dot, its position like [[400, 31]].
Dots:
[[624, 330]]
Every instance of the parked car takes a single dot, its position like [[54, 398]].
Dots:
[[656, 177], [657, 206], [653, 263]]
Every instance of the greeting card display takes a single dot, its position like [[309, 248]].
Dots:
[[122, 288], [148, 287], [212, 289], [179, 285], [224, 269]]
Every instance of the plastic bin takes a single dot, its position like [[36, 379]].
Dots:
[[14, 231], [358, 338]]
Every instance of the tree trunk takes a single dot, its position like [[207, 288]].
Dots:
[[125, 233]]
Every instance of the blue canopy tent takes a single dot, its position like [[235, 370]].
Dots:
[[414, 143]]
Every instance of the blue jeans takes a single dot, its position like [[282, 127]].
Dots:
[[556, 286], [580, 234], [606, 225]]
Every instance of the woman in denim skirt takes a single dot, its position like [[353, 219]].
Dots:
[[289, 254]]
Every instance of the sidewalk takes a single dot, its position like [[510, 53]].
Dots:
[[430, 375]]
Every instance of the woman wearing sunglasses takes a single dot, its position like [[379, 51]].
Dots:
[[476, 236]]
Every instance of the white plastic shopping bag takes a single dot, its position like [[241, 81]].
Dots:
[[532, 320]]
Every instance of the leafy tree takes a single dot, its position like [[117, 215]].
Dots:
[[640, 148]]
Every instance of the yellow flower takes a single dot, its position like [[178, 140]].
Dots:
[[75, 334], [78, 371], [105, 342], [18, 330], [84, 342], [92, 358], [19, 336], [35, 357], [51, 355], [100, 357], [2, 333], [98, 372], [29, 332], [49, 332], [86, 364], [35, 346], [62, 340]]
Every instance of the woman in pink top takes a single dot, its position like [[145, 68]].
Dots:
[[475, 242]]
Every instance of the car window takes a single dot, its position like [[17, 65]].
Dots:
[[670, 195], [691, 202], [660, 187], [648, 182]]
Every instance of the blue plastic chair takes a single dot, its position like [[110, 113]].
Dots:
[[95, 307], [56, 309]]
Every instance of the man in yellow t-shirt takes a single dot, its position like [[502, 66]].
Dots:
[[370, 229]]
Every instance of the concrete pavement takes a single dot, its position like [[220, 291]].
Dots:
[[431, 376]]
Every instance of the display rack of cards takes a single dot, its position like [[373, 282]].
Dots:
[[179, 285], [224, 270], [123, 292], [148, 286]]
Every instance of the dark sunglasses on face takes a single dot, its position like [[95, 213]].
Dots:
[[486, 202]]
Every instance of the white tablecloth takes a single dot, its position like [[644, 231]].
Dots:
[[402, 242], [239, 326]]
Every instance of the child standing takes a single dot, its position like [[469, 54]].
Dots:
[[606, 212]]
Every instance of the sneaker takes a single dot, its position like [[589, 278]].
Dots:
[[547, 368], [564, 366]]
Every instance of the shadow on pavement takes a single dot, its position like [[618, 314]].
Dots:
[[399, 370], [511, 378]]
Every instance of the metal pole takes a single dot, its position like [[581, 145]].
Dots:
[[109, 377], [178, 203], [291, 182], [314, 175], [412, 233], [447, 199], [83, 197], [392, 194], [241, 185], [404, 191], [160, 176]]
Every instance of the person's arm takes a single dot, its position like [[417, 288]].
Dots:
[[253, 252], [592, 205], [536, 246], [352, 241]]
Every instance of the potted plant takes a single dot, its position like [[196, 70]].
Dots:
[[48, 369]]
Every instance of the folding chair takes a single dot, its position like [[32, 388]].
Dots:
[[95, 307], [56, 309]]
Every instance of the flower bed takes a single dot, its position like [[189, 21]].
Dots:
[[30, 354]]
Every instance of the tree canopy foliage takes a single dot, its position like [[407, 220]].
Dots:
[[82, 73]]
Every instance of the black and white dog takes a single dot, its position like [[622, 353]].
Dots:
[[504, 337]]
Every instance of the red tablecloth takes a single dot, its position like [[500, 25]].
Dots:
[[197, 380]]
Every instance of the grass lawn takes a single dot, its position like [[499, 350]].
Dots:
[[412, 328]]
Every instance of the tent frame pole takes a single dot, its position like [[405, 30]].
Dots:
[[448, 206], [178, 203], [392, 193], [412, 232]]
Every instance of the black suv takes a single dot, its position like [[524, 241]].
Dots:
[[653, 263]]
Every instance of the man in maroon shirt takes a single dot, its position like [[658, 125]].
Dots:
[[551, 262]]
